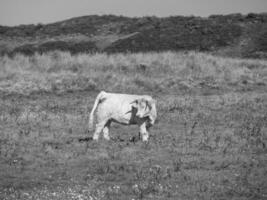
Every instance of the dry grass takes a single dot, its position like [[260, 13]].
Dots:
[[157, 72], [209, 143]]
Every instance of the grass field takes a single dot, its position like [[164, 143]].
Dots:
[[209, 142]]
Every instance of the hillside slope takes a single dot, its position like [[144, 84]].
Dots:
[[232, 35]]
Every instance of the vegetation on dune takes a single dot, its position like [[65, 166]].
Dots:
[[73, 48], [231, 35], [167, 72]]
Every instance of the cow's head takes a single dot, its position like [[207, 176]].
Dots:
[[145, 108]]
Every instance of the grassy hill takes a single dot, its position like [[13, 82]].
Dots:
[[209, 141], [231, 35]]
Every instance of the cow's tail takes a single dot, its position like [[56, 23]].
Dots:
[[99, 98]]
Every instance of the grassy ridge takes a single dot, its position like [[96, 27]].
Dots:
[[167, 72], [233, 35]]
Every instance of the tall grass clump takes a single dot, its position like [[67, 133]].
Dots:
[[137, 72]]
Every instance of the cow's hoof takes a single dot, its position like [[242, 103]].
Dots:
[[145, 141], [107, 138], [95, 138]]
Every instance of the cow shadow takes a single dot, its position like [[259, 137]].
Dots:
[[85, 139]]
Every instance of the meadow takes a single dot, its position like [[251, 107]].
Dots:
[[209, 142]]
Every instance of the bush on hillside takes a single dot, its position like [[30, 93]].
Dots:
[[73, 48]]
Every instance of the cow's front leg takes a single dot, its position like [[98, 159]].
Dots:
[[143, 131]]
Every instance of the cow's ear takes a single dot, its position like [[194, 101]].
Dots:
[[149, 104], [135, 103]]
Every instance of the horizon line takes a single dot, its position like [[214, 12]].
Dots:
[[120, 15]]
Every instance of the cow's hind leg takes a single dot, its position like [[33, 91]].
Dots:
[[98, 129], [106, 130]]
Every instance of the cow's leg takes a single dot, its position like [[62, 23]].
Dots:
[[144, 132], [98, 129], [106, 130]]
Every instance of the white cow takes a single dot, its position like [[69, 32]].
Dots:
[[124, 109]]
